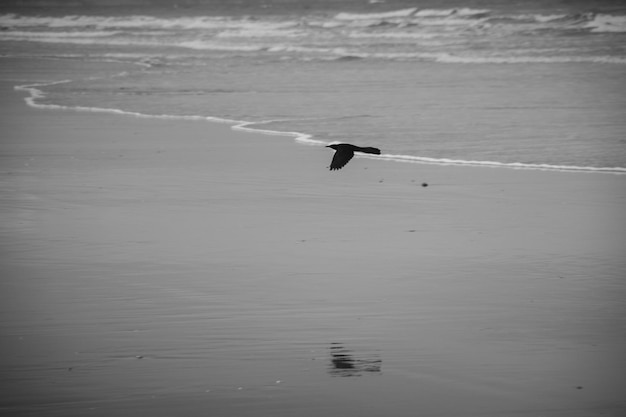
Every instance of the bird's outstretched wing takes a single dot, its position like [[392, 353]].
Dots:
[[341, 158]]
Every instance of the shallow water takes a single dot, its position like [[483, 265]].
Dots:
[[558, 114]]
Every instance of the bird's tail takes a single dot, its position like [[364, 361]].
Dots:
[[375, 151]]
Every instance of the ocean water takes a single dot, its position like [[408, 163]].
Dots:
[[538, 85]]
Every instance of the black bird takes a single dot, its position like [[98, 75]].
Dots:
[[344, 153]]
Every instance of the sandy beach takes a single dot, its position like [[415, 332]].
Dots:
[[162, 267]]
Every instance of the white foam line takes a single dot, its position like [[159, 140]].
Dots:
[[303, 138], [374, 16], [36, 94], [494, 164]]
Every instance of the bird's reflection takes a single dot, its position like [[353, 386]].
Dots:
[[344, 362]]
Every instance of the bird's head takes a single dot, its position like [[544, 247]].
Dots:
[[333, 146]]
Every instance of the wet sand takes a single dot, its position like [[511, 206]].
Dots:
[[162, 267]]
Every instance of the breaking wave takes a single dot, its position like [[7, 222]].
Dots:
[[607, 23], [376, 16], [451, 36], [134, 21], [596, 22]]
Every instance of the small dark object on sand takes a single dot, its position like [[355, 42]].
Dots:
[[424, 184], [344, 153]]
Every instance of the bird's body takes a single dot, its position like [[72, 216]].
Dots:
[[344, 153]]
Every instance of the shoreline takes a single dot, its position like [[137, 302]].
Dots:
[[304, 138]]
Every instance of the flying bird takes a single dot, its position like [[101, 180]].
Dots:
[[344, 153]]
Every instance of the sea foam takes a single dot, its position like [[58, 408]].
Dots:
[[376, 16], [494, 164], [465, 11], [395, 35], [607, 23], [142, 22]]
